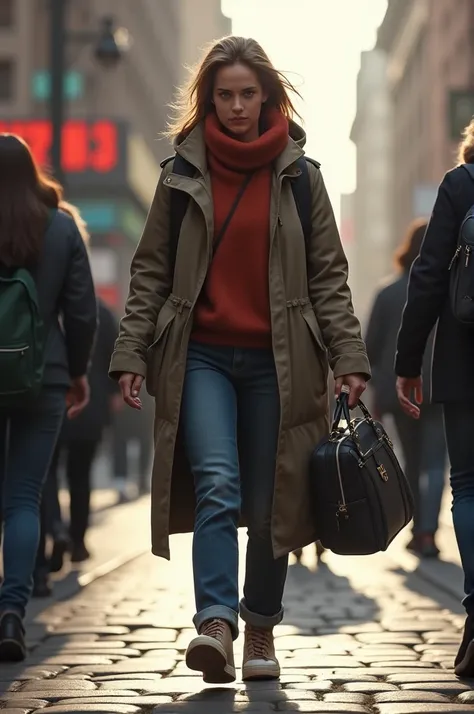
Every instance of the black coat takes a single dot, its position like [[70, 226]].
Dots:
[[66, 292], [381, 342], [428, 299], [97, 415]]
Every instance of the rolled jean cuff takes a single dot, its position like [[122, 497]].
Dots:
[[256, 620], [218, 612]]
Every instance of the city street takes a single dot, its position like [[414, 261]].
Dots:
[[360, 635], [333, 171]]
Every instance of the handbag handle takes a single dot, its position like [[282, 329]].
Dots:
[[342, 411]]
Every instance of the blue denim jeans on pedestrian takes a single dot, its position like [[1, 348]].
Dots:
[[459, 421], [27, 441], [230, 420]]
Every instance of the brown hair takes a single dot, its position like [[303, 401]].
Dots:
[[195, 98], [75, 214], [410, 246], [466, 146], [26, 195]]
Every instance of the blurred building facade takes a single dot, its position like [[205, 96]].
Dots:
[[430, 72], [111, 140], [372, 134], [346, 228]]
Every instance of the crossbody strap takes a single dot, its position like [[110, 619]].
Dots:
[[225, 225]]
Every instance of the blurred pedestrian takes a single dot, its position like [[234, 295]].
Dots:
[[81, 438], [42, 256], [128, 430], [235, 349], [423, 443], [428, 302], [79, 442]]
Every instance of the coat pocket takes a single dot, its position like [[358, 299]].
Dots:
[[157, 348], [315, 331]]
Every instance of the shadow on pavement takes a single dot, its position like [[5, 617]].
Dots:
[[440, 580], [318, 601]]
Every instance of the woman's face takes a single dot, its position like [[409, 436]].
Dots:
[[238, 97]]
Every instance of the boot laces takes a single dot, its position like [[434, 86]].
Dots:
[[259, 642], [214, 628]]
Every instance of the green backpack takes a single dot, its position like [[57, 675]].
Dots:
[[21, 338]]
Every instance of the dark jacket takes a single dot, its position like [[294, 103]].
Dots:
[[97, 415], [381, 342], [66, 291], [428, 299]]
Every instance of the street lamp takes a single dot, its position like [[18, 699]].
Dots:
[[109, 49]]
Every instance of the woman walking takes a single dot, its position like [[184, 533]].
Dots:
[[51, 522], [423, 443], [428, 303], [45, 243], [233, 337]]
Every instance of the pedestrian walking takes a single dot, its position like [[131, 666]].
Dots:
[[233, 327], [430, 301], [422, 442], [52, 525], [44, 275], [79, 442], [80, 439]]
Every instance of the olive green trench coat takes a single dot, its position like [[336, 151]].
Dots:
[[313, 328]]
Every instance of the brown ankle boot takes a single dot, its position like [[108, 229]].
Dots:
[[212, 652], [260, 661]]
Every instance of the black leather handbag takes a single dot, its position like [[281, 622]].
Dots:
[[362, 498]]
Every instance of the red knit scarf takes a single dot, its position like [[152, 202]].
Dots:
[[247, 155], [234, 306]]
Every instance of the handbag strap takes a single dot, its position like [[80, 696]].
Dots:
[[230, 215], [342, 411]]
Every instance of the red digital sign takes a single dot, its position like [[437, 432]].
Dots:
[[109, 294], [86, 146]]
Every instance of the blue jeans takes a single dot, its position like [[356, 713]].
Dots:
[[230, 420], [459, 420], [27, 441], [424, 449]]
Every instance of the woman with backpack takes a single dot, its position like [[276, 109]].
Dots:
[[44, 275], [233, 327], [441, 291], [51, 521]]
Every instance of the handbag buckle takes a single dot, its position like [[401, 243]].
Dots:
[[383, 472]]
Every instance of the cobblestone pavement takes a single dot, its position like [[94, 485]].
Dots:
[[360, 636]]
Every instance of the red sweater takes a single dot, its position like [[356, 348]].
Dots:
[[234, 306]]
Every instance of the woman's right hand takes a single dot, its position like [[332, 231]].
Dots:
[[130, 384], [410, 395]]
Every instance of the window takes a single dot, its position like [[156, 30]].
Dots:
[[6, 80], [6, 13]]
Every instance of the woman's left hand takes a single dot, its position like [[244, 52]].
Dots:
[[356, 384]]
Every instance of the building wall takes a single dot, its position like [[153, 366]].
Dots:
[[16, 48], [430, 53], [373, 219], [207, 25], [165, 35]]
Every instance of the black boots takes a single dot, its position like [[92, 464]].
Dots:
[[464, 662], [12, 637]]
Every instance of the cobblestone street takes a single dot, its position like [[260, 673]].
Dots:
[[359, 636]]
